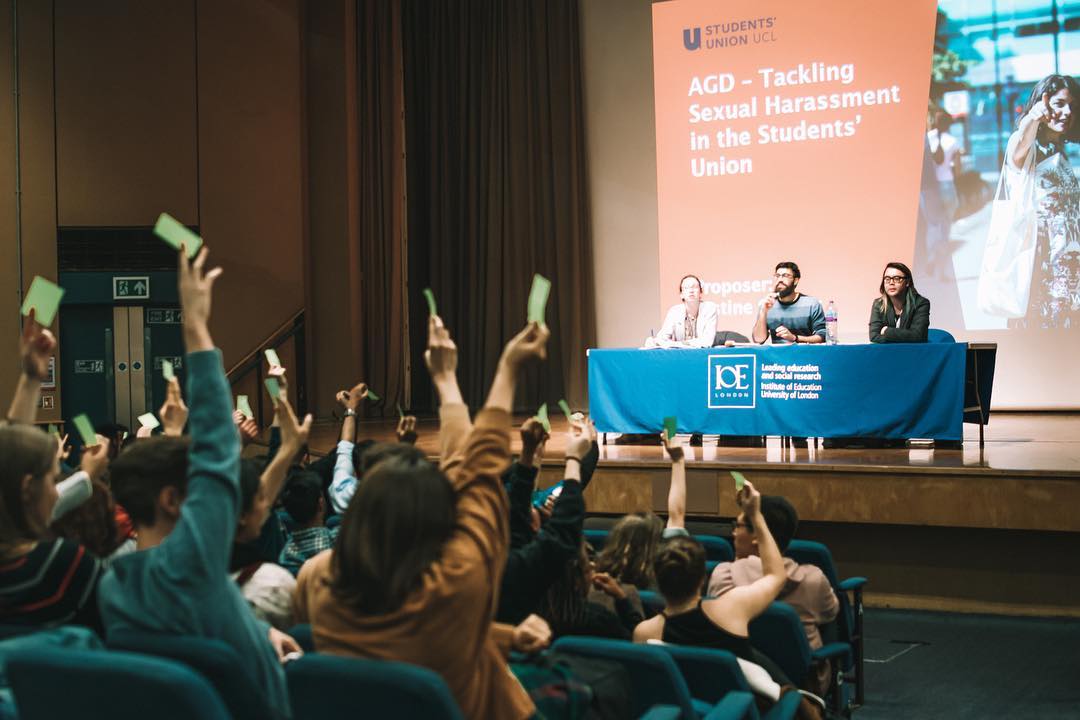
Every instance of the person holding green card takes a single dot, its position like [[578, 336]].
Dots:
[[184, 498], [45, 581]]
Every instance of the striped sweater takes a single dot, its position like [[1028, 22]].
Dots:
[[53, 584]]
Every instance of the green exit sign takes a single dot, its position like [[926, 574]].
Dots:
[[131, 288]]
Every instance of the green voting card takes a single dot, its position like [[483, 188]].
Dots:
[[167, 371], [372, 396], [272, 357], [740, 480], [566, 410], [538, 297], [43, 298], [430, 297], [53, 431], [542, 416], [244, 406], [148, 421], [669, 427], [273, 388], [174, 233], [85, 429]]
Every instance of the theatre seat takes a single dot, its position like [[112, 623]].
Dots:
[[108, 685], [327, 686]]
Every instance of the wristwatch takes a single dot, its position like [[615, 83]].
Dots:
[[349, 412]]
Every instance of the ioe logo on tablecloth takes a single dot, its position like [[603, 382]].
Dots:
[[732, 381]]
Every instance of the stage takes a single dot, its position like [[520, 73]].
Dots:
[[995, 530]]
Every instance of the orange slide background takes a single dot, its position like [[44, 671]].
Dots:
[[841, 208]]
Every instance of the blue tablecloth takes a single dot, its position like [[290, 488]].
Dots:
[[887, 391]]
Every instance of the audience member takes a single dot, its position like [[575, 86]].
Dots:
[[721, 622], [806, 588], [303, 500], [44, 581], [415, 572], [567, 608], [184, 498], [93, 523]]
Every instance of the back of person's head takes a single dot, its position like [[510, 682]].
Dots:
[[393, 530], [301, 497], [782, 519], [93, 523], [630, 548], [680, 569], [144, 469], [788, 265], [27, 453], [563, 605], [375, 453]]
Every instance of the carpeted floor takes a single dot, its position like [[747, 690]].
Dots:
[[942, 665]]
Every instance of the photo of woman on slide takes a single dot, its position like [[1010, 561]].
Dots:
[[1031, 267]]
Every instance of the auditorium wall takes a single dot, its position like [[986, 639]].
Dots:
[[190, 106]]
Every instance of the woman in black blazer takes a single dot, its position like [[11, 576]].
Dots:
[[901, 314]]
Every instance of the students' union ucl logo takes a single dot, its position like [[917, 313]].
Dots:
[[732, 381]]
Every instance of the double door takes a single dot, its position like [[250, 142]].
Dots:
[[112, 357]]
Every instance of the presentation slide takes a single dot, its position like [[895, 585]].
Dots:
[[842, 136]]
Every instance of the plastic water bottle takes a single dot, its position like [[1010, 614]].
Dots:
[[830, 324]]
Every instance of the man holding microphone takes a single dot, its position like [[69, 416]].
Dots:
[[786, 315]]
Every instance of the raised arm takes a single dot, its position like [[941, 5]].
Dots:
[[740, 605], [36, 346], [520, 480], [454, 421], [676, 501], [1028, 129], [293, 437], [343, 485]]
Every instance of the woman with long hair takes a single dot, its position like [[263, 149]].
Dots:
[[1031, 267], [630, 548], [900, 314], [415, 571]]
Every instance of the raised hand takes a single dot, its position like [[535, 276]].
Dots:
[[351, 399], [533, 439], [195, 288], [581, 437], [36, 345], [673, 447], [173, 413], [530, 343], [95, 460], [249, 429], [749, 500], [406, 429], [294, 435], [441, 354], [276, 371]]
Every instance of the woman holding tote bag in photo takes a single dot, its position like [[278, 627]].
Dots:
[[1031, 266]]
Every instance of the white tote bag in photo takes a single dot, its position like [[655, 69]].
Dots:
[[1009, 257]]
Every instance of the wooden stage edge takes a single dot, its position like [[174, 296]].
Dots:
[[993, 531], [1026, 478]]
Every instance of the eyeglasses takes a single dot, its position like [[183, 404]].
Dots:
[[893, 279], [784, 276]]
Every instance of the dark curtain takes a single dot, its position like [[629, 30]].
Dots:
[[497, 187], [377, 250]]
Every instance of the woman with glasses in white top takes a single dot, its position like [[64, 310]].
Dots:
[[900, 314]]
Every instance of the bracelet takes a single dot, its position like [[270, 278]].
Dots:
[[349, 412], [796, 339]]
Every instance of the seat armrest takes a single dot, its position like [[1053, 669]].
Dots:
[[786, 708], [735, 705], [836, 650], [662, 712], [852, 583]]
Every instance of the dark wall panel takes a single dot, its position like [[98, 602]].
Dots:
[[251, 164], [125, 111]]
